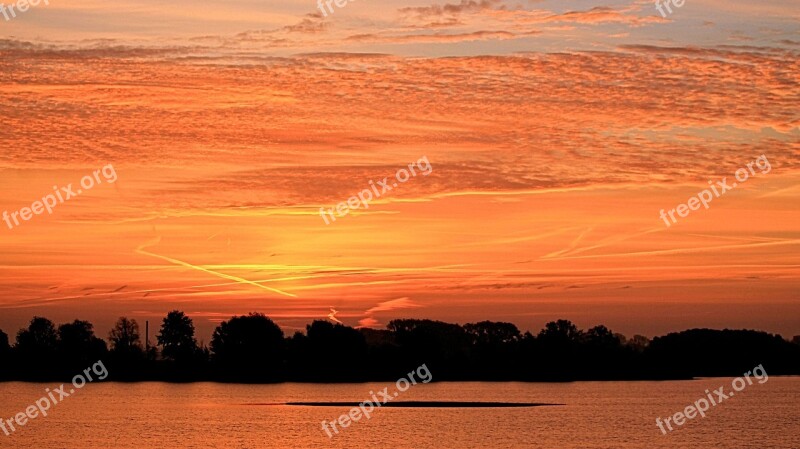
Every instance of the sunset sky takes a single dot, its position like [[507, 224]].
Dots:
[[557, 132]]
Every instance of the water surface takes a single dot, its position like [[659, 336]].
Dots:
[[596, 415]]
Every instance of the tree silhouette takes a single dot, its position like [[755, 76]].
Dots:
[[492, 333], [602, 337], [604, 354], [39, 340], [125, 340], [557, 350], [638, 343], [177, 337], [5, 353], [36, 349], [495, 348], [253, 344], [77, 344], [714, 353], [561, 332], [5, 350], [4, 347], [334, 352], [445, 347]]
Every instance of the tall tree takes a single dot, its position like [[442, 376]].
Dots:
[[124, 337], [36, 350], [177, 337]]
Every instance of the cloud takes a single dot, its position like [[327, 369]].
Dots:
[[234, 134], [465, 6], [311, 24], [448, 22], [394, 304], [368, 322], [494, 9], [440, 37], [605, 14], [386, 306]]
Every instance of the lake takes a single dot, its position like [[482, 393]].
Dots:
[[597, 415]]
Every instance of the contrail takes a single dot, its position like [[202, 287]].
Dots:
[[141, 250], [332, 315]]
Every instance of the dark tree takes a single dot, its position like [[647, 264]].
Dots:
[[560, 332], [492, 333], [639, 343], [604, 355], [336, 352], [252, 348], [796, 340], [5, 351], [125, 339], [557, 351], [715, 353], [177, 337], [36, 350], [297, 356], [495, 349], [4, 347], [252, 345], [203, 353], [39, 339], [78, 346], [444, 347], [602, 337]]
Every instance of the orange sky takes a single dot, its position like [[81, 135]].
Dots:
[[550, 162]]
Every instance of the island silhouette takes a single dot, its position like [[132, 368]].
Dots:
[[253, 349]]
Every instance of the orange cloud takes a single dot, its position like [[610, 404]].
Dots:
[[550, 170]]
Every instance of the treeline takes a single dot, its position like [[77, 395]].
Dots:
[[252, 348]]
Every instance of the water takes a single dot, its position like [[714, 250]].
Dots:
[[597, 415]]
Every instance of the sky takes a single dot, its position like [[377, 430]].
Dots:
[[555, 133]]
